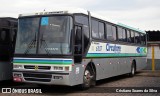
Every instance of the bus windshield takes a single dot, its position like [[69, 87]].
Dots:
[[44, 35]]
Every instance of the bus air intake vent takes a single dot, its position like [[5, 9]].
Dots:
[[37, 77]]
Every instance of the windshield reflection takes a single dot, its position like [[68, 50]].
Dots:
[[54, 35]]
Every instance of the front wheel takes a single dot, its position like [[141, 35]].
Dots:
[[88, 78]]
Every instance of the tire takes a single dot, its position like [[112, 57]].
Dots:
[[133, 70], [88, 78]]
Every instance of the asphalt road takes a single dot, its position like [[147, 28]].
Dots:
[[144, 83]]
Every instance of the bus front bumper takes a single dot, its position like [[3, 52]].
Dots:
[[47, 77]]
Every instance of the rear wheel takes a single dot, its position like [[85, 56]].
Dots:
[[133, 70]]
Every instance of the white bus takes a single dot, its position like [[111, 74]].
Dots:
[[75, 47]]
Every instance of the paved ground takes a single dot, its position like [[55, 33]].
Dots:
[[142, 80]]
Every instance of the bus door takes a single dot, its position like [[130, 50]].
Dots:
[[78, 44]]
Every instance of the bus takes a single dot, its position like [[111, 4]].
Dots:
[[75, 47], [8, 29]]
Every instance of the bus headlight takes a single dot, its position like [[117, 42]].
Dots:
[[67, 68], [17, 66], [58, 68]]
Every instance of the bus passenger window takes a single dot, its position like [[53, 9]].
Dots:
[[120, 34], [101, 30], [132, 37], [128, 36], [124, 35], [111, 32], [143, 39], [137, 38], [95, 29], [114, 32]]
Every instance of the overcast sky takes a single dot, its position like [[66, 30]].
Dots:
[[143, 14]]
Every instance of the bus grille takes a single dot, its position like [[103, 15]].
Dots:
[[39, 67], [37, 77]]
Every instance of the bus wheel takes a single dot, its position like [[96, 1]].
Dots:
[[88, 78], [133, 69]]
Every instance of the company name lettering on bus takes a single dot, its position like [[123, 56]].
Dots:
[[113, 47]]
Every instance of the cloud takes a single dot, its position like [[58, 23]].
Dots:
[[143, 14], [146, 18]]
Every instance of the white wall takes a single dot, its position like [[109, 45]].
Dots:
[[156, 52]]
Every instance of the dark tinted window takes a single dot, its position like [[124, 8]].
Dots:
[[121, 34], [84, 20], [128, 36], [114, 32], [124, 35], [81, 19], [132, 37], [95, 29], [143, 39], [101, 30], [111, 32], [137, 38]]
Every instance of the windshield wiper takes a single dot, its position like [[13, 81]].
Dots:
[[30, 45], [45, 46]]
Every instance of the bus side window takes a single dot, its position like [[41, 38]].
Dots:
[[143, 39], [114, 31], [132, 37], [128, 36], [124, 35], [136, 37], [78, 40], [101, 30], [111, 32], [95, 33], [120, 34], [82, 19]]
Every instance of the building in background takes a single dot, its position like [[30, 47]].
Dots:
[[153, 44]]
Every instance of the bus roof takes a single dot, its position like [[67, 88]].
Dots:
[[8, 22], [80, 10]]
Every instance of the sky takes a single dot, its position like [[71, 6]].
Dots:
[[142, 14]]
